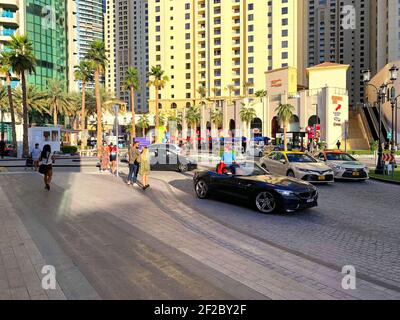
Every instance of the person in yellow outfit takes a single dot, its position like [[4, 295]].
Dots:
[[144, 170]]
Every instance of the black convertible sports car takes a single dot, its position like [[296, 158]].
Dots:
[[267, 193]]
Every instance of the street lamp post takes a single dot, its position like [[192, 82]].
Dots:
[[381, 92]]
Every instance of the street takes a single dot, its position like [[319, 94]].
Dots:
[[111, 241]]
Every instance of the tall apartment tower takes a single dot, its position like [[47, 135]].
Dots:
[[12, 21], [109, 41], [131, 41], [90, 24], [339, 31], [215, 44], [387, 32]]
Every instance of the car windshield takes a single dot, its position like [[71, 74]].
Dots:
[[339, 157], [300, 158], [248, 170]]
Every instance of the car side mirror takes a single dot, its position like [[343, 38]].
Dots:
[[282, 161]]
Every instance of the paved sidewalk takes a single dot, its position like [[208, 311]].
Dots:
[[109, 236], [21, 262]]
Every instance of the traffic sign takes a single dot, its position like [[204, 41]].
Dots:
[[389, 136]]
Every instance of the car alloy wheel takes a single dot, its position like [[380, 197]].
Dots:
[[266, 202], [183, 168], [201, 189]]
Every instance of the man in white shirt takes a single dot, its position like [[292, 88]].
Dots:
[[35, 154]]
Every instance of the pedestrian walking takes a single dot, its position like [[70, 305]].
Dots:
[[2, 148], [35, 156], [113, 157], [105, 158], [144, 170], [46, 165], [133, 156], [338, 144]]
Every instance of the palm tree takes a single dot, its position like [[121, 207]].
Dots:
[[58, 100], [158, 81], [5, 69], [231, 88], [97, 55], [132, 83], [261, 94], [193, 116], [246, 86], [36, 100], [217, 118], [247, 115], [202, 91], [144, 123], [84, 73], [3, 109], [22, 60], [285, 114]]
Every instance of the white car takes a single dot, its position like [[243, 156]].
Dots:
[[297, 165], [169, 146], [255, 150], [344, 165]]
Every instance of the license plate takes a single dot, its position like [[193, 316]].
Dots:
[[356, 174], [321, 178]]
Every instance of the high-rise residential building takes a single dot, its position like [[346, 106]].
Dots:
[[46, 27], [339, 31], [387, 32], [219, 44], [109, 41], [12, 21], [90, 24], [132, 48]]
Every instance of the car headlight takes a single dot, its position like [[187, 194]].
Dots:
[[285, 192], [338, 167], [304, 170]]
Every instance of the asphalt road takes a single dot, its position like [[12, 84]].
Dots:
[[355, 224]]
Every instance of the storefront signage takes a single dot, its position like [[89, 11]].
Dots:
[[337, 114], [276, 83]]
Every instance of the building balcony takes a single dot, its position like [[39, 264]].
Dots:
[[10, 3], [9, 20]]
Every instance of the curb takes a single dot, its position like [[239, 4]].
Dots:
[[385, 181]]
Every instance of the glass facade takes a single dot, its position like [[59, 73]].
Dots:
[[46, 28]]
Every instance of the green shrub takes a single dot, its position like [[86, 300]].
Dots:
[[69, 149]]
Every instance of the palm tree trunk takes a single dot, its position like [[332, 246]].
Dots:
[[83, 119], [195, 141], [25, 142], [133, 131], [99, 112], [55, 111], [285, 137], [143, 132], [12, 113], [157, 111]]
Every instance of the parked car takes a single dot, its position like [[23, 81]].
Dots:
[[167, 146], [255, 150], [165, 159], [265, 192], [344, 165], [297, 165]]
